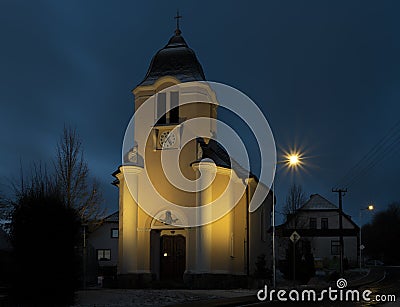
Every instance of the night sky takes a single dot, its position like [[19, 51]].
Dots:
[[326, 74]]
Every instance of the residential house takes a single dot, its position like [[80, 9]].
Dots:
[[103, 246], [317, 222]]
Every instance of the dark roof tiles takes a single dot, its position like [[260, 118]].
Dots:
[[175, 59], [317, 202]]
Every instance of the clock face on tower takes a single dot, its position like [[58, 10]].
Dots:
[[167, 139]]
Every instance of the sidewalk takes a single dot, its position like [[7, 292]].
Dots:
[[198, 298], [151, 297]]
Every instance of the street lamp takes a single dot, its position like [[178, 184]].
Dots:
[[292, 160], [369, 208]]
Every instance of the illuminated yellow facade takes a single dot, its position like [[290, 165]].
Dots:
[[151, 247]]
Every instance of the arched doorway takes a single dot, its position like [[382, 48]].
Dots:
[[168, 247]]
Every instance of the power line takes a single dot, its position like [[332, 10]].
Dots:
[[387, 153], [371, 154], [387, 144]]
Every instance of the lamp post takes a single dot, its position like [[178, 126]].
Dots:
[[292, 160], [369, 208]]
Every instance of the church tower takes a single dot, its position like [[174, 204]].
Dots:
[[156, 243]]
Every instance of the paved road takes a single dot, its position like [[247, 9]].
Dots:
[[388, 285]]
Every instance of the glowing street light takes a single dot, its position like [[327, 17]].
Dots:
[[294, 160]]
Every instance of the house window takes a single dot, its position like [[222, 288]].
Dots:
[[114, 233], [313, 223], [104, 254], [335, 247], [324, 223]]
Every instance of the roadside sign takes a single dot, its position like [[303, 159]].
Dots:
[[294, 237]]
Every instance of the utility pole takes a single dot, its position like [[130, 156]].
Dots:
[[341, 243]]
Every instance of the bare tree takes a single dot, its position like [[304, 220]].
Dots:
[[294, 200], [72, 177]]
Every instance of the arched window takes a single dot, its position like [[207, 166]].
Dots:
[[164, 100]]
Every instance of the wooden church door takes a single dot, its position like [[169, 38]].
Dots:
[[173, 257]]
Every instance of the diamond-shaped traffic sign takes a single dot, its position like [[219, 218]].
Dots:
[[294, 237]]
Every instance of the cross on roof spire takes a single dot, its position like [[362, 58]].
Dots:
[[177, 17]]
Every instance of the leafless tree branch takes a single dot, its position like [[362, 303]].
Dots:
[[294, 200], [72, 177]]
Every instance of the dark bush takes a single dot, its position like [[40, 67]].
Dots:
[[304, 262], [45, 235]]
